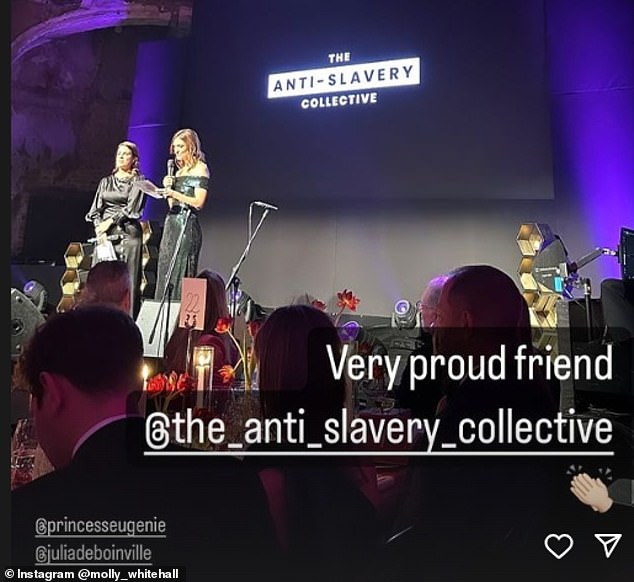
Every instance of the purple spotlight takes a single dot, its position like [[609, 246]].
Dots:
[[402, 306], [405, 315], [349, 331]]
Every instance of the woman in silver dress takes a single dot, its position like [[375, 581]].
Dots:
[[116, 215]]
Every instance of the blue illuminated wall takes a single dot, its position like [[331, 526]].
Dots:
[[155, 109], [591, 55]]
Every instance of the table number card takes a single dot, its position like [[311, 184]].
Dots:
[[193, 298]]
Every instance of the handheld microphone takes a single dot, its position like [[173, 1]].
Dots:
[[170, 167], [265, 205]]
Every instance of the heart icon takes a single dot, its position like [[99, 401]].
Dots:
[[558, 544]]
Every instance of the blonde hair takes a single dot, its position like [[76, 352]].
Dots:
[[192, 141]]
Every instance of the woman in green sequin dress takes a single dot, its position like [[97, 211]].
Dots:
[[186, 193]]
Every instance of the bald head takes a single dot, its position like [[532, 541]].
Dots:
[[482, 297], [108, 283], [429, 299], [488, 295]]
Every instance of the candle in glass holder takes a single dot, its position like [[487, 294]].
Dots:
[[146, 375], [143, 399], [203, 361]]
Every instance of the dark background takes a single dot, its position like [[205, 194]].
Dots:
[[476, 127]]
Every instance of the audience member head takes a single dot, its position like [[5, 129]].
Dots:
[[479, 308], [216, 300], [215, 308], [108, 283], [429, 300], [81, 366], [294, 368]]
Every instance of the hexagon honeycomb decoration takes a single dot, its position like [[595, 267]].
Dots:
[[531, 238]]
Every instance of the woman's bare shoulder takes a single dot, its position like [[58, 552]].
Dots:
[[200, 169]]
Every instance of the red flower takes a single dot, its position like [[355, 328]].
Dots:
[[223, 325], [164, 388], [185, 383], [346, 299], [227, 373], [254, 327], [172, 382], [156, 385], [319, 304]]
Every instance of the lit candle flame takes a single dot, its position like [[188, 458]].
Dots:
[[204, 359], [146, 374]]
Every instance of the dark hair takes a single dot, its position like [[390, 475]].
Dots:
[[136, 160], [215, 308], [294, 369], [97, 348]]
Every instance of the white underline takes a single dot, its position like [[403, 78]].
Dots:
[[364, 453], [118, 536], [93, 564]]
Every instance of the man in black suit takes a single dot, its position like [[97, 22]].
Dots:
[[106, 503]]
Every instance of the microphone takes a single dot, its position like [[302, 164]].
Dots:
[[170, 167], [265, 205]]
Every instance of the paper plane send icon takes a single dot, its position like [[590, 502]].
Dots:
[[609, 542]]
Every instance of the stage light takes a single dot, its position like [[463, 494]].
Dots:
[[37, 293], [25, 319], [238, 301], [255, 312], [349, 331], [405, 315]]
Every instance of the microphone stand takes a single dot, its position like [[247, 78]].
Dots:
[[233, 307], [233, 280], [573, 276], [167, 292]]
